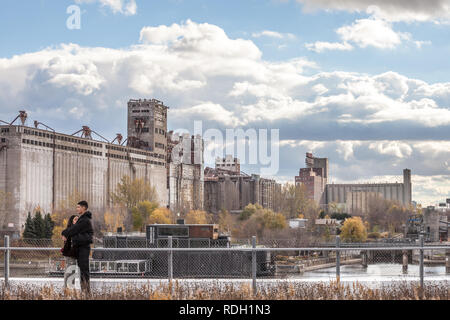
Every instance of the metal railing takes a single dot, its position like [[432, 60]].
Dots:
[[246, 261]]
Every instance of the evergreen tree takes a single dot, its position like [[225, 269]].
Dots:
[[39, 225], [49, 225], [29, 232]]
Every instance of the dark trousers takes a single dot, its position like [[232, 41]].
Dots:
[[83, 253]]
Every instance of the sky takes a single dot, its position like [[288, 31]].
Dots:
[[365, 83]]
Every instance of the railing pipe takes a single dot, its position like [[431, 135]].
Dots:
[[338, 259], [254, 265], [7, 260]]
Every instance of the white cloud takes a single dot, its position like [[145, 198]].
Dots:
[[320, 89], [192, 38], [345, 148], [273, 34], [126, 7], [366, 123], [394, 148], [320, 46], [211, 111], [398, 10], [419, 44], [200, 64], [371, 32]]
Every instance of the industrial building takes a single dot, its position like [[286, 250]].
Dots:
[[229, 163], [352, 198], [233, 191], [185, 172], [314, 177], [42, 168], [356, 196], [147, 125]]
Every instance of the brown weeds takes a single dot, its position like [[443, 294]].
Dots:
[[234, 291]]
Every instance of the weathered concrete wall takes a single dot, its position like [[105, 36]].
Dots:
[[186, 187], [389, 191], [358, 202], [26, 171], [9, 165], [185, 172], [431, 223], [233, 193]]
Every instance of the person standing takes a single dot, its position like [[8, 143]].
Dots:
[[69, 253], [82, 234]]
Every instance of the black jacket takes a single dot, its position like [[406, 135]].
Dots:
[[81, 232], [68, 250]]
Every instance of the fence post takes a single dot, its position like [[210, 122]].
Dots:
[[170, 260], [338, 259], [364, 259], [254, 265], [7, 256], [421, 261], [447, 261], [405, 261]]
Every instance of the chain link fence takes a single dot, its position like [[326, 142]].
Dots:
[[128, 257]]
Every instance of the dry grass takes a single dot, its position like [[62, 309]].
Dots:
[[197, 291]]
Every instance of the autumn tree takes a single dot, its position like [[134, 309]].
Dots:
[[396, 217], [226, 221], [65, 209], [141, 214], [354, 230], [249, 210], [387, 215], [295, 202], [130, 192], [197, 217], [114, 219], [160, 216], [333, 207], [260, 221]]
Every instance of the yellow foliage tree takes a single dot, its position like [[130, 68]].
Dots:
[[114, 219], [261, 221], [274, 220], [226, 221], [197, 217], [160, 216], [141, 214], [130, 192], [61, 215], [249, 210], [354, 230]]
